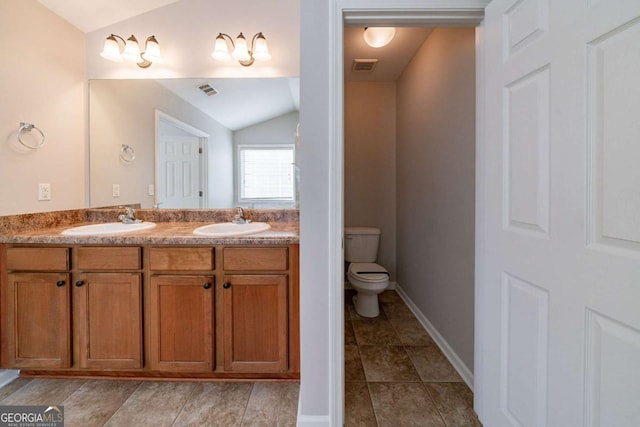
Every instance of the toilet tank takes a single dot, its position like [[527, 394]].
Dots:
[[361, 244]]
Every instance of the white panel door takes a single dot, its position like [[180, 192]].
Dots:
[[559, 230], [178, 169]]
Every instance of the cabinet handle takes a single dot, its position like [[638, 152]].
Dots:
[[207, 285], [60, 283], [79, 283], [226, 285]]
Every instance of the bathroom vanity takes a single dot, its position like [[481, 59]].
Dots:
[[158, 303]]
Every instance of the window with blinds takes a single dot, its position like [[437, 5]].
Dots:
[[266, 172]]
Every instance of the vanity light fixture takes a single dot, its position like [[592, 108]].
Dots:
[[241, 51], [378, 36], [131, 53]]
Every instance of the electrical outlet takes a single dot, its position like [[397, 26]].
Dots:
[[152, 190], [44, 192], [116, 190]]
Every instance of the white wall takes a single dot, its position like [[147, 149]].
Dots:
[[436, 184], [42, 81], [370, 162], [186, 31], [123, 112]]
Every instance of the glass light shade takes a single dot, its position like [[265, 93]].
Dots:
[[132, 50], [152, 50], [241, 52], [220, 50], [111, 50], [261, 50], [379, 36]]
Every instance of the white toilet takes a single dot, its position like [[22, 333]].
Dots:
[[366, 277]]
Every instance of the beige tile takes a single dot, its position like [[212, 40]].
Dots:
[[431, 364], [153, 404], [411, 332], [288, 412], [358, 410], [353, 371], [404, 404], [349, 335], [43, 392], [389, 296], [387, 363], [96, 401], [13, 386], [272, 404], [396, 309], [375, 332], [455, 403], [215, 404]]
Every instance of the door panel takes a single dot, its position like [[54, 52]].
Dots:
[[559, 322], [179, 174]]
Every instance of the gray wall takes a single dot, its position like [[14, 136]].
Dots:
[[436, 184], [370, 162]]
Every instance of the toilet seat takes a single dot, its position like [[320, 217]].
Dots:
[[368, 272]]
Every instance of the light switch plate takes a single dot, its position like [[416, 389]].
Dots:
[[116, 190]]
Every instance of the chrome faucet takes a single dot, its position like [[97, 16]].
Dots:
[[240, 218], [129, 217]]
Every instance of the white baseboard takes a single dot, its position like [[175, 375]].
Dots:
[[458, 364], [313, 421], [8, 375]]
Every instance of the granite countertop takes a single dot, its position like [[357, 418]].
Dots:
[[172, 228]]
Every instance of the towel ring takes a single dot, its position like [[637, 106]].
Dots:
[[29, 127], [127, 153]]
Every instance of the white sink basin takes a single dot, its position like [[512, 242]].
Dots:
[[230, 229], [107, 228]]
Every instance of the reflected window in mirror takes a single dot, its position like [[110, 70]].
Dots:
[[265, 174]]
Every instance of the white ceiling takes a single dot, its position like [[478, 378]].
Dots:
[[240, 102], [392, 58], [90, 15]]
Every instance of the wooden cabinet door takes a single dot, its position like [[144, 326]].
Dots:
[[109, 320], [255, 323], [181, 312], [38, 320]]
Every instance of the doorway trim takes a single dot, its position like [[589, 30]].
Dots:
[[341, 13]]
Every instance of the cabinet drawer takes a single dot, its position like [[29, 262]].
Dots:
[[38, 259], [255, 259], [181, 259], [109, 258]]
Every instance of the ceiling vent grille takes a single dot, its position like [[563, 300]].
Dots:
[[208, 89], [363, 65]]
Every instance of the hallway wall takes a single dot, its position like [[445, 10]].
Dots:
[[436, 184]]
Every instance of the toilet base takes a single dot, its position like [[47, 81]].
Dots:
[[366, 305]]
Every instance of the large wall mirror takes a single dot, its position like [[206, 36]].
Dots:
[[193, 143]]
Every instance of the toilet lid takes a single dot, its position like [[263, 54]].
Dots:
[[368, 271]]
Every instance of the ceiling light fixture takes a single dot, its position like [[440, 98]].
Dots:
[[378, 36], [241, 51], [131, 52]]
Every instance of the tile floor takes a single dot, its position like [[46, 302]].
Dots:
[[395, 375], [150, 403]]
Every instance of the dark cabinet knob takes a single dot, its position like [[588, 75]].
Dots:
[[226, 285], [79, 283], [207, 285], [60, 283]]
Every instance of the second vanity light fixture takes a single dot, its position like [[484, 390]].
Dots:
[[244, 54], [132, 52]]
